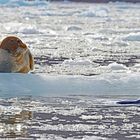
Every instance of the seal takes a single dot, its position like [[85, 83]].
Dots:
[[15, 56]]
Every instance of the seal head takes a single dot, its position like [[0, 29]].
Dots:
[[13, 45], [20, 57]]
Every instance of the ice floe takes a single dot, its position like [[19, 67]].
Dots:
[[77, 62], [15, 27], [132, 37], [98, 12], [116, 66], [23, 3], [73, 28], [32, 84]]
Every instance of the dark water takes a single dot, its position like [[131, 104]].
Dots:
[[73, 117]]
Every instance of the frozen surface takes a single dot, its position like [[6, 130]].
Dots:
[[76, 39], [86, 60], [42, 85]]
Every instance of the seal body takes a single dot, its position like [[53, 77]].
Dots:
[[15, 56], [5, 61]]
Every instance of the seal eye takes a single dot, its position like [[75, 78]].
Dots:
[[18, 41]]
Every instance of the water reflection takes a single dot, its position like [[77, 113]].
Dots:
[[70, 117], [13, 124]]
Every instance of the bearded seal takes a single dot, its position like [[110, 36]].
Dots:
[[15, 56]]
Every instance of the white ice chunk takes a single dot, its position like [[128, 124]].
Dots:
[[132, 37], [116, 66], [99, 12], [78, 62], [73, 28]]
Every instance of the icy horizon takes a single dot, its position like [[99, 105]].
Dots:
[[98, 1]]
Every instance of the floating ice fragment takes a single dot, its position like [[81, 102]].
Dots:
[[137, 66], [55, 118], [23, 2], [12, 26], [87, 14], [132, 37], [101, 12], [73, 28], [54, 137], [28, 30], [116, 66], [77, 62], [134, 136], [16, 27], [94, 117]]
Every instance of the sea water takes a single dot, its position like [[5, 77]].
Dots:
[[86, 60]]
